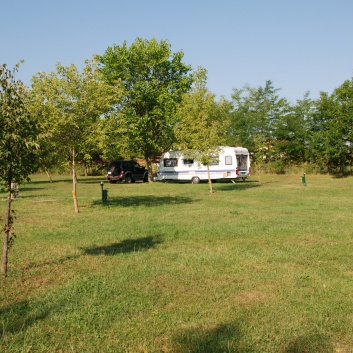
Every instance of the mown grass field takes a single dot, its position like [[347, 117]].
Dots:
[[257, 266]]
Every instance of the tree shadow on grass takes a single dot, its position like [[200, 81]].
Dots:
[[148, 201], [238, 186], [37, 198], [23, 192], [313, 343], [20, 315], [56, 262], [229, 338], [125, 246], [26, 188], [91, 180], [220, 339], [54, 181]]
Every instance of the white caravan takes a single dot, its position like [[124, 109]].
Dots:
[[230, 163]]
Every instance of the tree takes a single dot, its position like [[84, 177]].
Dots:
[[292, 133], [203, 123], [153, 80], [18, 145], [256, 115], [332, 129], [71, 105]]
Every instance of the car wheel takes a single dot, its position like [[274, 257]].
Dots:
[[128, 179], [145, 178], [195, 180], [112, 181]]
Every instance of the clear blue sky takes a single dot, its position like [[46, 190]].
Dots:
[[301, 45]]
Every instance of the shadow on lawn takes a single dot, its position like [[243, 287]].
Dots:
[[149, 201], [313, 343], [55, 262], [54, 181], [20, 315], [125, 246], [25, 188], [68, 180], [238, 186], [91, 180], [222, 338], [229, 338]]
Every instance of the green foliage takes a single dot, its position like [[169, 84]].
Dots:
[[153, 80], [18, 132], [332, 141], [256, 116], [203, 123], [293, 132], [127, 103], [70, 106], [18, 145]]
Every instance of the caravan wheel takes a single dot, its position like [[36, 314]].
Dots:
[[195, 180]]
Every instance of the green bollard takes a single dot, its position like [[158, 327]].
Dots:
[[104, 193], [304, 179]]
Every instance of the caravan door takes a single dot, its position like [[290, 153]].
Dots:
[[243, 162]]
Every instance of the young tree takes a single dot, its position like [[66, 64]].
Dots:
[[153, 80], [203, 123], [71, 105], [18, 144]]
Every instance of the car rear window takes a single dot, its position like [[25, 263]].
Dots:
[[114, 168]]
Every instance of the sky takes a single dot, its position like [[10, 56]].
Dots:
[[300, 45]]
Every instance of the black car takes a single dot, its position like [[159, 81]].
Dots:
[[126, 172]]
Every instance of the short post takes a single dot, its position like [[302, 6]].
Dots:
[[304, 179], [104, 192]]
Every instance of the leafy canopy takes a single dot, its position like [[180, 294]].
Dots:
[[18, 132], [70, 105], [203, 122], [153, 80]]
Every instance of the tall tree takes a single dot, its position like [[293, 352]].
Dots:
[[203, 124], [153, 80], [71, 105], [332, 137], [256, 115], [18, 145], [292, 133]]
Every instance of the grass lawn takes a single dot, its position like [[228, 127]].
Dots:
[[257, 266]]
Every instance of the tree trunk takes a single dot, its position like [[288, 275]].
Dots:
[[149, 170], [48, 175], [74, 182], [209, 179], [5, 249], [85, 168]]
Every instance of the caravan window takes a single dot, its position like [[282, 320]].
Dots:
[[170, 162], [188, 161], [228, 160]]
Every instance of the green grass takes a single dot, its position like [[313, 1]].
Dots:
[[258, 266]]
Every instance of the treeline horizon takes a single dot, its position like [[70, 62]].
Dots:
[[134, 102]]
